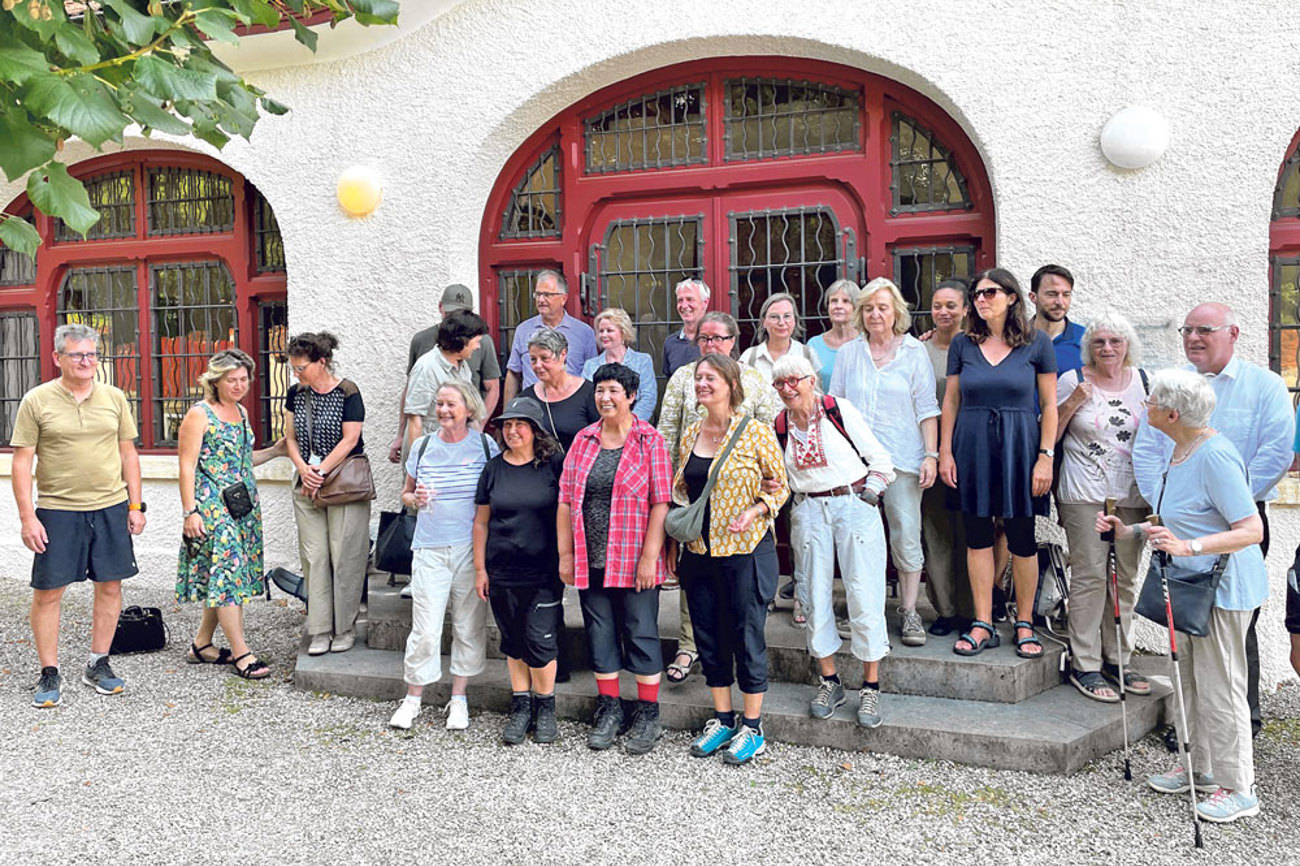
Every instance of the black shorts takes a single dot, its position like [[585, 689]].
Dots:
[[1293, 596], [94, 545], [622, 628], [529, 619]]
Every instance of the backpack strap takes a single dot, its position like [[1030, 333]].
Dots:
[[1146, 383], [487, 455], [779, 425], [833, 414]]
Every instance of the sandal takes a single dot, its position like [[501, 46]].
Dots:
[[1093, 685], [254, 670], [1134, 682], [678, 672], [798, 618], [1032, 639], [978, 646], [195, 655]]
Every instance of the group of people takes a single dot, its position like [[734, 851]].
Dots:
[[949, 440]]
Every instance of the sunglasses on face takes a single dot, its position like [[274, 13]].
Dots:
[[987, 294]]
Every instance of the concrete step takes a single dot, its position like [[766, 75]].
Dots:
[[933, 670], [1055, 731]]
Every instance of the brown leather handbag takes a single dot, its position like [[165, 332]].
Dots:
[[350, 481]]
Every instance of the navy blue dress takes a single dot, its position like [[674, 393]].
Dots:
[[996, 439]]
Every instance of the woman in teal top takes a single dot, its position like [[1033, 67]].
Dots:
[[840, 298]]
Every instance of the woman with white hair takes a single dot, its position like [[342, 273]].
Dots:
[[614, 335], [840, 297], [836, 470], [778, 330], [1206, 510], [1099, 407], [887, 376]]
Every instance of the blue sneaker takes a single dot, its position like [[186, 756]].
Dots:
[[49, 691], [101, 677], [716, 735], [1224, 806], [745, 746]]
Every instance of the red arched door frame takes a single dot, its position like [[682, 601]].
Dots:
[[1284, 269]]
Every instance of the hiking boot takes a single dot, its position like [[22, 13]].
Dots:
[[645, 731], [521, 718], [830, 697], [745, 746], [545, 728], [405, 714], [49, 690], [1175, 781], [913, 632], [715, 736], [101, 677], [606, 723], [869, 708], [1224, 806]]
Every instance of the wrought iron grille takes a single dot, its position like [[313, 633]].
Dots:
[[514, 304], [657, 130], [923, 175], [113, 195], [272, 366], [186, 201], [20, 365], [795, 250], [534, 210], [769, 117], [106, 300], [16, 269], [918, 271], [193, 317], [1284, 322], [266, 236], [636, 268]]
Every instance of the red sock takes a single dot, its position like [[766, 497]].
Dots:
[[607, 687], [648, 692]]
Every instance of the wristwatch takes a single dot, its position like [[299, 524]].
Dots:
[[933, 455], [1047, 451], [1195, 546], [138, 506]]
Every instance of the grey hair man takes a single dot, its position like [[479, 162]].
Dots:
[[550, 294], [692, 301]]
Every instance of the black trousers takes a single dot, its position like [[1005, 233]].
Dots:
[[1252, 643]]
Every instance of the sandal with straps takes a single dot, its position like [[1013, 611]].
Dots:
[[1032, 639], [195, 655], [1093, 685], [678, 672], [254, 670], [978, 646]]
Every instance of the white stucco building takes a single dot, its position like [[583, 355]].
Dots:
[[629, 143]]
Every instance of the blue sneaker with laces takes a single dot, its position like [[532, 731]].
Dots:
[[49, 691], [716, 735], [745, 746], [1224, 806], [101, 677]]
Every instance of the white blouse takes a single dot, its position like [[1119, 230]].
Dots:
[[1097, 450], [894, 399], [823, 460]]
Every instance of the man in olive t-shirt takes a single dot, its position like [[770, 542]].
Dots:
[[82, 436]]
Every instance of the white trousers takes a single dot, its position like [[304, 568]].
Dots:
[[902, 501], [442, 575]]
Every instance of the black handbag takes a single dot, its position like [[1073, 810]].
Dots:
[[139, 630], [288, 582]]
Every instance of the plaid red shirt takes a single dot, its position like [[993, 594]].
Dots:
[[645, 477]]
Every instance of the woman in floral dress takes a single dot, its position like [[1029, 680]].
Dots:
[[220, 562]]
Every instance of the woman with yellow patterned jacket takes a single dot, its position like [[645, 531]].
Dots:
[[730, 573]]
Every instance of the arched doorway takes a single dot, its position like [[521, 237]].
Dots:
[[757, 174], [1284, 271]]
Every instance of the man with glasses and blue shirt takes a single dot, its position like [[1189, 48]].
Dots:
[[549, 294], [1253, 410], [88, 482]]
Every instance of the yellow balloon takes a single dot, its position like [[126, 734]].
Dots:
[[359, 190]]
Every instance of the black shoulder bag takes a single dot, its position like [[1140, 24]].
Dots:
[[238, 501]]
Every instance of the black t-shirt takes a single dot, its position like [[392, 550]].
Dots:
[[521, 544], [696, 474], [328, 412], [571, 414]]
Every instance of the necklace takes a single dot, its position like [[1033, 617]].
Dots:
[[714, 438], [882, 357], [1190, 449]]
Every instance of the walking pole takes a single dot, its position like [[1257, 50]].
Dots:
[[1184, 747], [1112, 565]]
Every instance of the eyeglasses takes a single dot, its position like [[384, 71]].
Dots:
[[1109, 341], [1151, 404], [81, 357], [789, 384], [298, 368], [986, 294], [1200, 330], [710, 339], [779, 317], [543, 295]]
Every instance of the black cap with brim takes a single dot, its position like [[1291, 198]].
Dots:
[[525, 408]]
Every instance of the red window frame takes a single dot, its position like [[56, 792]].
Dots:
[[235, 248], [1283, 247], [864, 173]]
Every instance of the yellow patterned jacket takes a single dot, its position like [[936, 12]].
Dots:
[[757, 455], [680, 410]]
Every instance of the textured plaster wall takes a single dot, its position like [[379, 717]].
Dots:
[[439, 112]]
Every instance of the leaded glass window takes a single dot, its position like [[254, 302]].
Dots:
[[16, 269], [266, 236], [1284, 320], [924, 176], [515, 304], [105, 299], [768, 117], [187, 201], [113, 195], [20, 365], [272, 365], [534, 208], [657, 130], [917, 272]]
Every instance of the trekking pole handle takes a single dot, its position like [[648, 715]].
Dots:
[[1111, 505]]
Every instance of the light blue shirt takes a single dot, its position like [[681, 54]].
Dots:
[[1253, 409], [894, 399], [582, 345], [1206, 494], [647, 393], [827, 356], [451, 469]]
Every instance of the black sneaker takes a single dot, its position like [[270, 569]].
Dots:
[[943, 626], [645, 731], [1000, 605], [521, 717], [545, 729], [607, 721]]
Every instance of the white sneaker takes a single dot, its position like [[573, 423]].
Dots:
[[341, 643], [405, 714], [457, 714], [406, 592], [320, 644]]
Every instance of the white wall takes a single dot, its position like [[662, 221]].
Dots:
[[1032, 83]]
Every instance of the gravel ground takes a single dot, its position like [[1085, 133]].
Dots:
[[192, 764]]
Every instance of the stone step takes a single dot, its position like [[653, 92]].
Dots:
[[933, 670], [1055, 731]]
